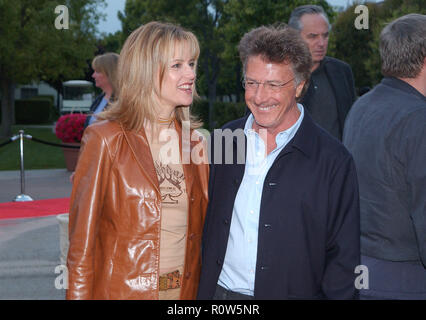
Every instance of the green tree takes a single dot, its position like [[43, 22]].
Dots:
[[112, 42], [360, 48], [351, 44], [32, 49]]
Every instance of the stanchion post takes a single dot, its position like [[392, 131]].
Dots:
[[22, 197]]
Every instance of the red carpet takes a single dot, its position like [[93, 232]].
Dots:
[[33, 209]]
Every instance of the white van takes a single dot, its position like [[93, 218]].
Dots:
[[78, 96]]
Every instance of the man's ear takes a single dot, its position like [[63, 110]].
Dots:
[[299, 88]]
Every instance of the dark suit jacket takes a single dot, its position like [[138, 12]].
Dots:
[[308, 241], [341, 79]]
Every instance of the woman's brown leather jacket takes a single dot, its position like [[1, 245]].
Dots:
[[114, 225]]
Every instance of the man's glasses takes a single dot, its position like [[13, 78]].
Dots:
[[273, 86]]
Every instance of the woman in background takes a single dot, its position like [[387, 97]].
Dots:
[[137, 210], [105, 75]]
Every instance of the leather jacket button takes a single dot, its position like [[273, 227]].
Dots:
[[191, 236], [187, 275]]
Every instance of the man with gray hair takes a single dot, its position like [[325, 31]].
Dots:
[[285, 223], [331, 90], [386, 133]]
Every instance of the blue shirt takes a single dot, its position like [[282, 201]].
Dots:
[[98, 109], [239, 267]]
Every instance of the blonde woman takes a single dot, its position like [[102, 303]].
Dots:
[[138, 199], [105, 75]]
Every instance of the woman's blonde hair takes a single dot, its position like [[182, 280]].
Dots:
[[107, 64], [142, 65]]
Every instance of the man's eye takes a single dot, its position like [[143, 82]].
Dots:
[[274, 85], [251, 83]]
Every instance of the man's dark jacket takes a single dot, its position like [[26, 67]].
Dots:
[[308, 242], [386, 132], [341, 79]]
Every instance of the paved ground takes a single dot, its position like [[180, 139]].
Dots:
[[39, 184], [29, 248]]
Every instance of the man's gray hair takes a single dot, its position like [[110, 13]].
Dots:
[[278, 44], [298, 12], [403, 46]]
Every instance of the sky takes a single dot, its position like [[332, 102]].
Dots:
[[113, 24]]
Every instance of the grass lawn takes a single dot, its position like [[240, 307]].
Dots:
[[36, 155]]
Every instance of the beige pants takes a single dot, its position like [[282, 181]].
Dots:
[[170, 294]]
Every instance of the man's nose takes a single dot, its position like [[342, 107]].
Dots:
[[322, 41], [261, 94]]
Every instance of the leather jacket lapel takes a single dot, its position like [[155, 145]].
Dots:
[[138, 144]]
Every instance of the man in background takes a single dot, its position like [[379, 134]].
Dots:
[[386, 133], [331, 90]]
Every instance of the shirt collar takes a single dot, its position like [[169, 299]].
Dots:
[[403, 86], [283, 136]]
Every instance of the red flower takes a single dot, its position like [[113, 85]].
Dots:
[[69, 127]]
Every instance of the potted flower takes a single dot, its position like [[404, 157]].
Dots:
[[69, 129]]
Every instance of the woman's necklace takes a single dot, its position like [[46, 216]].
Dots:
[[163, 121]]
